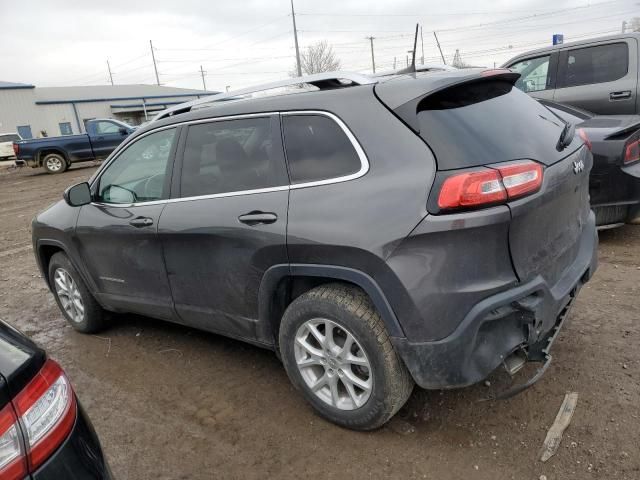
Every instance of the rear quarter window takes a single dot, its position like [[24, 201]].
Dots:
[[487, 122], [317, 149]]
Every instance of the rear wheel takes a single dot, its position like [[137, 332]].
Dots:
[[337, 352], [74, 299], [54, 163]]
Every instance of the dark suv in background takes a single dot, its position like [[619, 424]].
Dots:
[[419, 228]]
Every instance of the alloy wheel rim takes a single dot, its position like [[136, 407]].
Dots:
[[333, 364], [69, 295], [54, 164]]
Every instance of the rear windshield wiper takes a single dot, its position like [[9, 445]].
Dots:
[[566, 136]]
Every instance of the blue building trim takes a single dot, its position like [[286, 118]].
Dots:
[[145, 104], [16, 87], [145, 97]]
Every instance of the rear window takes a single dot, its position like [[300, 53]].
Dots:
[[599, 64], [317, 149], [487, 122]]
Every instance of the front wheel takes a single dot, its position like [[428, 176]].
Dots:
[[54, 163], [73, 297], [337, 352]]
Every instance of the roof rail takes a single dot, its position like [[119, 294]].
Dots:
[[324, 81]]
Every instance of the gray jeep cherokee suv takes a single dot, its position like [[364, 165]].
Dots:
[[376, 232]]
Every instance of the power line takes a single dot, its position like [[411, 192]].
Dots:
[[430, 14]]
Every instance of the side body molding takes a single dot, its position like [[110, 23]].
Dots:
[[276, 273]]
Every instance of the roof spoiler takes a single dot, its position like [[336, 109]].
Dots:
[[323, 81], [407, 112]]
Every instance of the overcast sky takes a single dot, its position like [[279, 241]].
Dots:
[[238, 43]]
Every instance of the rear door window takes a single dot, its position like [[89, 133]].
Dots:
[[598, 64], [231, 156], [534, 74], [317, 149]]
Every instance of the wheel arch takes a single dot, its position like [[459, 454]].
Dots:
[[48, 150], [47, 248], [281, 284]]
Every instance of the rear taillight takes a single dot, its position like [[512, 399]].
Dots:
[[47, 408], [632, 151], [583, 135], [471, 189], [13, 464], [490, 186], [16, 149], [46, 411]]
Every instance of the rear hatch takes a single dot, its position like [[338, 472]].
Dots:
[[482, 120]]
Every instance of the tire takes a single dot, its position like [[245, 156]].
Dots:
[[63, 276], [345, 311], [54, 163]]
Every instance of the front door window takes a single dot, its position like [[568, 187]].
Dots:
[[139, 173]]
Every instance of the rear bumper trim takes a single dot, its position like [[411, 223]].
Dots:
[[527, 316]]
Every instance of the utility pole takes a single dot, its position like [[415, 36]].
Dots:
[[110, 75], [422, 42], [155, 67], [295, 38], [373, 58], [394, 63], [204, 84], [438, 43], [624, 26]]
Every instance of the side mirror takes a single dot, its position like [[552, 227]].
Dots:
[[78, 195], [124, 131]]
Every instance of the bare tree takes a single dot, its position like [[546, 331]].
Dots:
[[634, 24], [319, 58]]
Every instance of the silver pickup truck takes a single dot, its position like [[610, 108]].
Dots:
[[598, 74]]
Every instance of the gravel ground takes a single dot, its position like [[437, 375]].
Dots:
[[169, 402]]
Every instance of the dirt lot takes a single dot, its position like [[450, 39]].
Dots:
[[170, 402]]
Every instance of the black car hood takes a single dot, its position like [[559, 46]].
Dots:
[[20, 360]]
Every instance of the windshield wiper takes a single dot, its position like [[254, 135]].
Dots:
[[566, 136]]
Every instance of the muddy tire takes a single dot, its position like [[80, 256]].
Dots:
[[54, 163], [337, 352], [76, 303]]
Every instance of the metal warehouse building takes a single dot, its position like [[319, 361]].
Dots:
[[51, 111]]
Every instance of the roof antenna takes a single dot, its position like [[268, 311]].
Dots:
[[412, 68]]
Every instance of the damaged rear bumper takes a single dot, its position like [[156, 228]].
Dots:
[[526, 318]]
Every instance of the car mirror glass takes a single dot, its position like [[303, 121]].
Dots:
[[78, 195]]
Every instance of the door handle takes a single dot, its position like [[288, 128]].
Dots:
[[141, 222], [620, 95], [257, 218]]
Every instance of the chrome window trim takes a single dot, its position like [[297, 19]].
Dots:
[[364, 162]]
